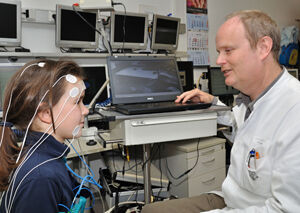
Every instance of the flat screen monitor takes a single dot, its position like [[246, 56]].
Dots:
[[216, 83], [94, 78], [71, 29], [293, 72], [129, 30], [7, 70], [186, 73], [10, 23], [165, 32], [141, 79]]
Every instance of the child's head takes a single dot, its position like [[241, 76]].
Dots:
[[55, 89], [29, 86]]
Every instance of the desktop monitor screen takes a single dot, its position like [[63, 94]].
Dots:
[[165, 32], [129, 30], [216, 83], [10, 24], [7, 70], [71, 29], [186, 73], [94, 78]]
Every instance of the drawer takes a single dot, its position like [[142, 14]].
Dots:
[[206, 182], [171, 128], [205, 151], [207, 163]]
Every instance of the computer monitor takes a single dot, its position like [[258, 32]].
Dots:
[[186, 73], [216, 83], [165, 32], [141, 79], [94, 78], [129, 30], [7, 70], [71, 29], [10, 24], [293, 72]]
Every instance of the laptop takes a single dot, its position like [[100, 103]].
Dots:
[[146, 84]]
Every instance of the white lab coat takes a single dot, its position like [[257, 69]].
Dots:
[[273, 130]]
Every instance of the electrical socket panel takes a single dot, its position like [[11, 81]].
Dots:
[[104, 5]]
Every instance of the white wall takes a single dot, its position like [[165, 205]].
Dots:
[[41, 37]]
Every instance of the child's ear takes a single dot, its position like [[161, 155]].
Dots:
[[44, 115]]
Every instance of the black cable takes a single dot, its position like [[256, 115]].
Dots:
[[124, 23], [187, 171], [159, 164], [88, 23], [95, 29], [4, 48], [62, 50], [136, 174]]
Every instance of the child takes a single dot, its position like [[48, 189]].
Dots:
[[45, 99]]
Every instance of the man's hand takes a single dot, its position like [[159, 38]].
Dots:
[[196, 96]]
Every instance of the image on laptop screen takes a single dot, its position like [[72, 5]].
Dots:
[[143, 79]]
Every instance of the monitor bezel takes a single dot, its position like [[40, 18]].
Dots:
[[235, 91], [144, 98], [128, 45], [73, 43], [13, 42], [160, 46]]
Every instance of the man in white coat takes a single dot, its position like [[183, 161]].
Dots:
[[264, 175]]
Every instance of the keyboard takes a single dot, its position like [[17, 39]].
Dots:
[[157, 107]]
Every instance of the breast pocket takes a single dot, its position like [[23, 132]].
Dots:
[[257, 169]]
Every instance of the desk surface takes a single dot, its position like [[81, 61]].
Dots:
[[120, 116], [82, 148]]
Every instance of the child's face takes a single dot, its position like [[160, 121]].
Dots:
[[69, 112]]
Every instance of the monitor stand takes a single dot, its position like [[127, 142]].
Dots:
[[75, 50], [126, 50], [162, 52]]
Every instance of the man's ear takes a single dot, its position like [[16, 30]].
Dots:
[[264, 47], [44, 115]]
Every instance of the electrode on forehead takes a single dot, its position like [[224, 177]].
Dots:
[[41, 64], [71, 78], [74, 92]]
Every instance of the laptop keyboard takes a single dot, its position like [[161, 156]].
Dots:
[[143, 108]]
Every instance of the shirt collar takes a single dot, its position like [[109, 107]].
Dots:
[[50, 145], [245, 99]]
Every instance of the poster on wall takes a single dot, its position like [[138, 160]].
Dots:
[[197, 26]]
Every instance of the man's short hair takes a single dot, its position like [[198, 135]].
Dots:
[[257, 25]]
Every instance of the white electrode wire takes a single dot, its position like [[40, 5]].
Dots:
[[35, 168], [3, 128], [11, 200], [9, 102], [25, 137], [36, 110], [37, 144]]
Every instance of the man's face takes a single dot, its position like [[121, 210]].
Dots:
[[239, 62]]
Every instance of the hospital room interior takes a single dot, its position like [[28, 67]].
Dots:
[[135, 106]]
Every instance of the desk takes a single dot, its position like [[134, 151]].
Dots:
[[85, 149], [162, 127]]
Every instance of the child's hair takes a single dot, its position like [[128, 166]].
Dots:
[[26, 89]]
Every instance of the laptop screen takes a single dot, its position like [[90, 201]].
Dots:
[[142, 79]]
